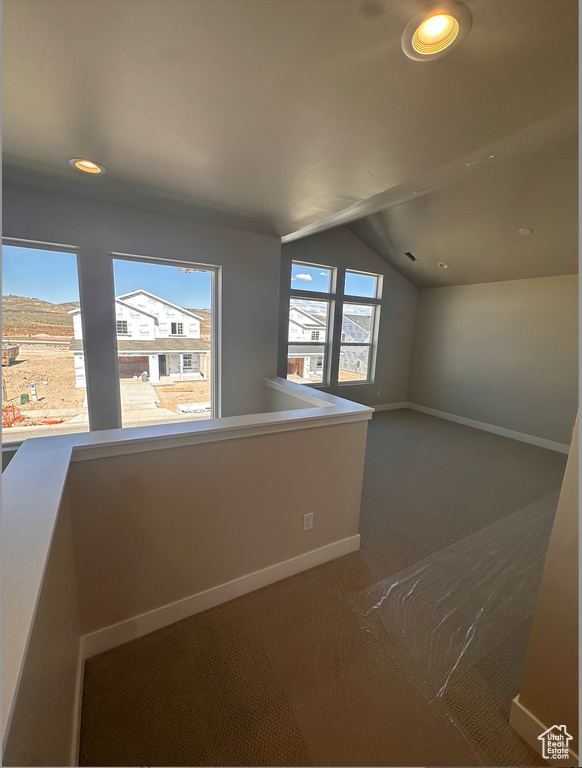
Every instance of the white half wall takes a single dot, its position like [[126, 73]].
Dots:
[[153, 528]]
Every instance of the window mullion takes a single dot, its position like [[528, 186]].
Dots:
[[336, 326]]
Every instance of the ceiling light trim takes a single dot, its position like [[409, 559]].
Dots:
[[91, 168], [414, 47]]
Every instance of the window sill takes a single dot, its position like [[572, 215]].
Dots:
[[353, 383]]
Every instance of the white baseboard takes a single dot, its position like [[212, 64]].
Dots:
[[117, 634], [532, 439], [529, 728], [390, 406]]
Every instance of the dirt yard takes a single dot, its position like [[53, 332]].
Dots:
[[51, 369], [350, 376], [182, 392]]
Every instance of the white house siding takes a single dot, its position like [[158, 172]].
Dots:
[[79, 363], [77, 327], [301, 326], [166, 315], [154, 368], [354, 359], [139, 326], [353, 332]]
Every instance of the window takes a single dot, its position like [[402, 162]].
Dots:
[[165, 368], [308, 328], [311, 277], [358, 326], [317, 345], [361, 284], [43, 365]]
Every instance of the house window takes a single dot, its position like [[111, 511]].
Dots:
[[43, 384], [332, 353], [155, 368], [122, 327]]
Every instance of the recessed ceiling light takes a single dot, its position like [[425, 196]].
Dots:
[[86, 166], [442, 265], [525, 231], [436, 31]]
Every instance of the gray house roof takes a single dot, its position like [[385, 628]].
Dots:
[[297, 350], [363, 321], [151, 346]]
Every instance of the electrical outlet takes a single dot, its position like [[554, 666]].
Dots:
[[378, 393], [308, 521]]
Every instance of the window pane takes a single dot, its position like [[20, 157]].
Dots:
[[354, 363], [43, 368], [361, 285], [357, 323], [305, 364], [308, 320], [164, 353], [310, 278]]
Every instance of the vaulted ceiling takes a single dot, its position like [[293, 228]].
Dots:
[[291, 116]]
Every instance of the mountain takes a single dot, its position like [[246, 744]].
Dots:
[[22, 315]]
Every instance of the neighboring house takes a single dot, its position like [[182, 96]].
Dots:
[[307, 362], [154, 336]]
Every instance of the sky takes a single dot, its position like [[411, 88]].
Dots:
[[318, 278], [51, 276]]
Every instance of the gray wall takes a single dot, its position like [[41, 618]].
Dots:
[[341, 248], [225, 510], [250, 283], [501, 353]]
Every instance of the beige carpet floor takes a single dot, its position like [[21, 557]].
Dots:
[[406, 653]]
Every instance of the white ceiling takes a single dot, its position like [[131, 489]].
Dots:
[[290, 116]]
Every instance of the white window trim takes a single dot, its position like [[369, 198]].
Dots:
[[337, 299], [91, 353]]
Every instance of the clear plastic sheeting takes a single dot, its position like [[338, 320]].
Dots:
[[439, 618]]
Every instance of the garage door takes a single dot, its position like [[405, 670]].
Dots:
[[133, 366]]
